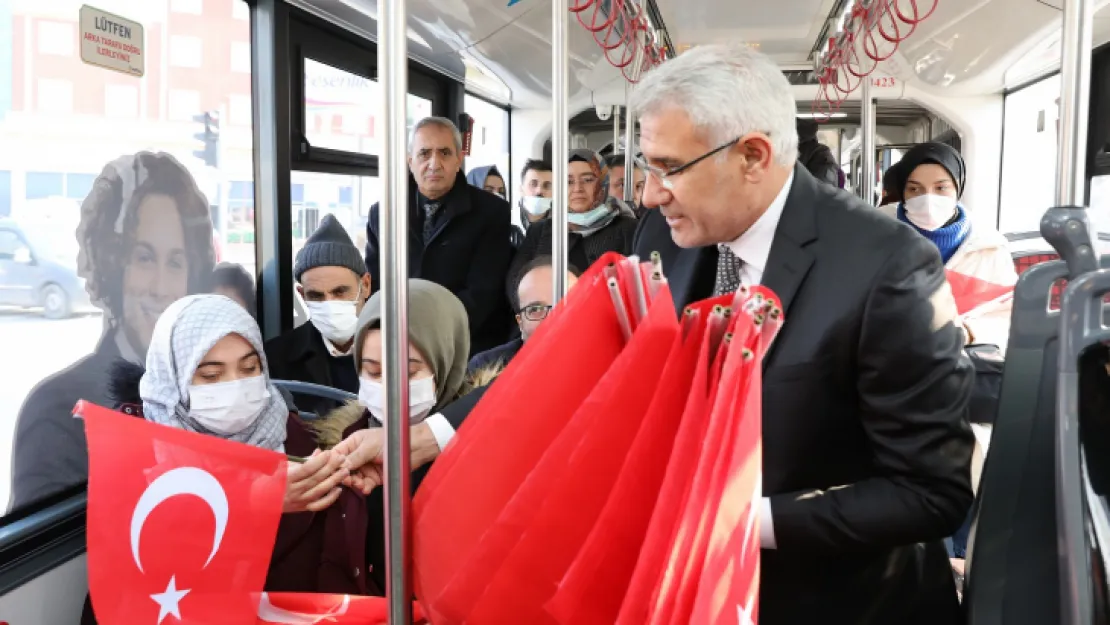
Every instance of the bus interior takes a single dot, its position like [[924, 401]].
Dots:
[[275, 109]]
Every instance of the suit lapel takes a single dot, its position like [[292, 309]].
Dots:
[[790, 261], [684, 268], [686, 277]]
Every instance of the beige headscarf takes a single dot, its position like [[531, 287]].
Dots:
[[438, 327]]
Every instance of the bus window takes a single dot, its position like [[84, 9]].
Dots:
[[1029, 156], [349, 198], [341, 109], [489, 144], [124, 190]]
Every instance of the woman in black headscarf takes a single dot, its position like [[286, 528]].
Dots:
[[931, 178]]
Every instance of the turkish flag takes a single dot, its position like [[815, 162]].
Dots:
[[971, 293], [179, 524], [305, 608]]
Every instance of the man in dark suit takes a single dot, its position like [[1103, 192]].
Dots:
[[459, 235], [866, 441]]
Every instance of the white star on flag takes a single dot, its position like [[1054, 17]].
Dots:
[[744, 616], [168, 601]]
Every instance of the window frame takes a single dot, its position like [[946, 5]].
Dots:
[[282, 36], [313, 38], [511, 174]]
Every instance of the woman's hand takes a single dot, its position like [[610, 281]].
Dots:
[[315, 484], [363, 452]]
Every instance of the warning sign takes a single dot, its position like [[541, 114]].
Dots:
[[111, 42]]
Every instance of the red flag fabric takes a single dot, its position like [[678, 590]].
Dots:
[[728, 588], [971, 292], [179, 524], [574, 478], [506, 434], [302, 608], [688, 444], [675, 590], [593, 497], [728, 593], [595, 585]]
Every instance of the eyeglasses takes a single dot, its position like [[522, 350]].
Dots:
[[663, 175], [586, 181], [535, 312]]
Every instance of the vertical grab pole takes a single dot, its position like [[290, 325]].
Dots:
[[630, 121], [393, 224], [616, 129], [867, 142], [560, 132], [1075, 89], [1067, 227]]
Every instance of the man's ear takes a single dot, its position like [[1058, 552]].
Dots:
[[757, 150], [366, 286], [300, 291]]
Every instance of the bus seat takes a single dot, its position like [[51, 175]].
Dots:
[[1011, 570], [1082, 442], [314, 390]]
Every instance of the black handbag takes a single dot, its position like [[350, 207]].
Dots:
[[988, 362]]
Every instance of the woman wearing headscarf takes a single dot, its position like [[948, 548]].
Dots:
[[931, 177], [206, 372], [598, 223], [439, 345], [892, 191], [488, 179]]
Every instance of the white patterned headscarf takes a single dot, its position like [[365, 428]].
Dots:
[[184, 333]]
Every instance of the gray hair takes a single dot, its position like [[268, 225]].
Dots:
[[441, 122], [727, 91]]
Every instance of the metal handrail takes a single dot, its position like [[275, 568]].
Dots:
[[393, 226]]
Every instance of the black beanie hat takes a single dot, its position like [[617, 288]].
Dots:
[[935, 153], [329, 246]]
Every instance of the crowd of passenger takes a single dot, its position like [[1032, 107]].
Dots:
[[723, 213]]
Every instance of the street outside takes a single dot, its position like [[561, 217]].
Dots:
[[34, 348]]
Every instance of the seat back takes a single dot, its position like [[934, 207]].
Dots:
[[1013, 573], [295, 387], [1011, 558], [1083, 441]]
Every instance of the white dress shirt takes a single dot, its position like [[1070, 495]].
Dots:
[[753, 248], [441, 429]]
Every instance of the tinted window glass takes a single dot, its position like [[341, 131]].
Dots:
[[120, 203]]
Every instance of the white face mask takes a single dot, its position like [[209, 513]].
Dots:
[[929, 211], [336, 319], [422, 398], [229, 407], [536, 206]]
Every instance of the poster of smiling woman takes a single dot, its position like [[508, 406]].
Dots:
[[145, 240]]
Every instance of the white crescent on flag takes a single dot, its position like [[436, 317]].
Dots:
[[269, 613], [180, 481]]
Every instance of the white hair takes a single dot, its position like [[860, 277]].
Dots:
[[727, 91], [441, 122]]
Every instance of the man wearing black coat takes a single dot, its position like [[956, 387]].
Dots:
[[815, 156], [866, 441], [459, 235], [332, 279]]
